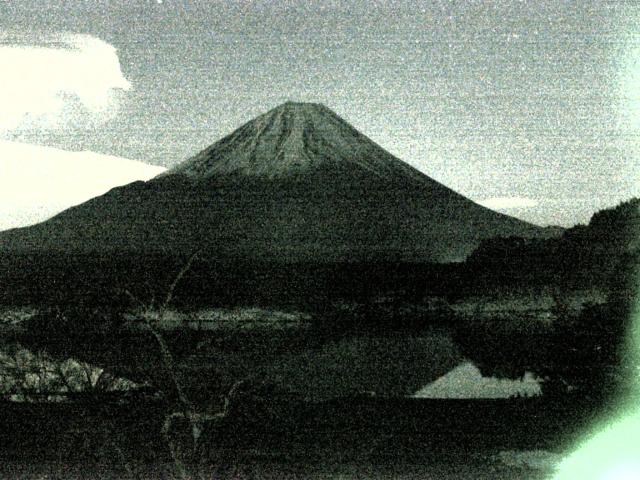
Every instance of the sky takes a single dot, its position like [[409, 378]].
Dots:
[[38, 182], [529, 107]]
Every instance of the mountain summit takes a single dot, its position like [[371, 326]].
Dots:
[[294, 139], [296, 184]]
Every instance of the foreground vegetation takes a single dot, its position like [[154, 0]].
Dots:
[[363, 436]]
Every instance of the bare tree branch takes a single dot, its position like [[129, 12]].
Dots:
[[182, 429], [186, 267]]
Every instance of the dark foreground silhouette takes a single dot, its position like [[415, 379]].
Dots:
[[122, 437]]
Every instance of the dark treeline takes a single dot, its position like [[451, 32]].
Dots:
[[586, 350], [56, 278], [590, 255]]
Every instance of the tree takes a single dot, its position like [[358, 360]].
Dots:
[[184, 423]]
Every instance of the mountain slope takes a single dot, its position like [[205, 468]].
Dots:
[[297, 184]]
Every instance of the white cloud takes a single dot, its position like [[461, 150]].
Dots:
[[506, 203], [52, 82], [38, 182]]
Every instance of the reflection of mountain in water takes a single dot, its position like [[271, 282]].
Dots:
[[466, 381]]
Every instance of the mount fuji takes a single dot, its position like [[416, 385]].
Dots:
[[296, 184]]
